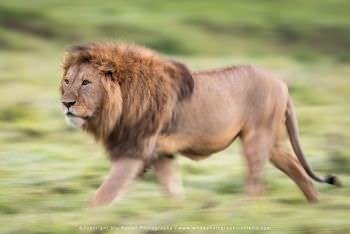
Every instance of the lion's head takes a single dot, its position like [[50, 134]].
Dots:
[[121, 92]]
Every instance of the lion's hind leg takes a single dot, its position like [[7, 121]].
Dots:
[[284, 160], [257, 145]]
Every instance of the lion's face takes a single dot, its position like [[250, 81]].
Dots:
[[121, 92], [82, 94]]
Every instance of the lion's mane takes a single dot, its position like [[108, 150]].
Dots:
[[150, 87]]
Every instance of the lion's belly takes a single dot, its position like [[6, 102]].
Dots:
[[197, 145], [204, 148]]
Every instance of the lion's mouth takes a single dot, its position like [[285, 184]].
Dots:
[[70, 114]]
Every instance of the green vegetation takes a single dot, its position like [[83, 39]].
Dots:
[[48, 172]]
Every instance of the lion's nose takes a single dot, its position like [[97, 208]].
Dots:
[[68, 104]]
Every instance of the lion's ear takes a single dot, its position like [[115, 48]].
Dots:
[[75, 55], [81, 53], [184, 78], [107, 68]]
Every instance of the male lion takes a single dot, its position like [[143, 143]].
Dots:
[[145, 108]]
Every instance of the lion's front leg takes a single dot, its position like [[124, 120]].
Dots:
[[123, 171], [168, 175]]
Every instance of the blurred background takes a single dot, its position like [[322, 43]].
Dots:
[[49, 172]]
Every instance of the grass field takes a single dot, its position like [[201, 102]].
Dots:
[[49, 172]]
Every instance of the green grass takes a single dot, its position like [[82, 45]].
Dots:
[[49, 172]]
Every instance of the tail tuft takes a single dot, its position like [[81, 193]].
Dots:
[[331, 179]]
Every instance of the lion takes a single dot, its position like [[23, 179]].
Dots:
[[146, 109]]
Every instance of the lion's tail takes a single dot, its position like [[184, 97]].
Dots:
[[293, 133]]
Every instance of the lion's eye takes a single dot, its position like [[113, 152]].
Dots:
[[66, 81], [86, 82]]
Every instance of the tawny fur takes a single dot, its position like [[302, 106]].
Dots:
[[143, 106]]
